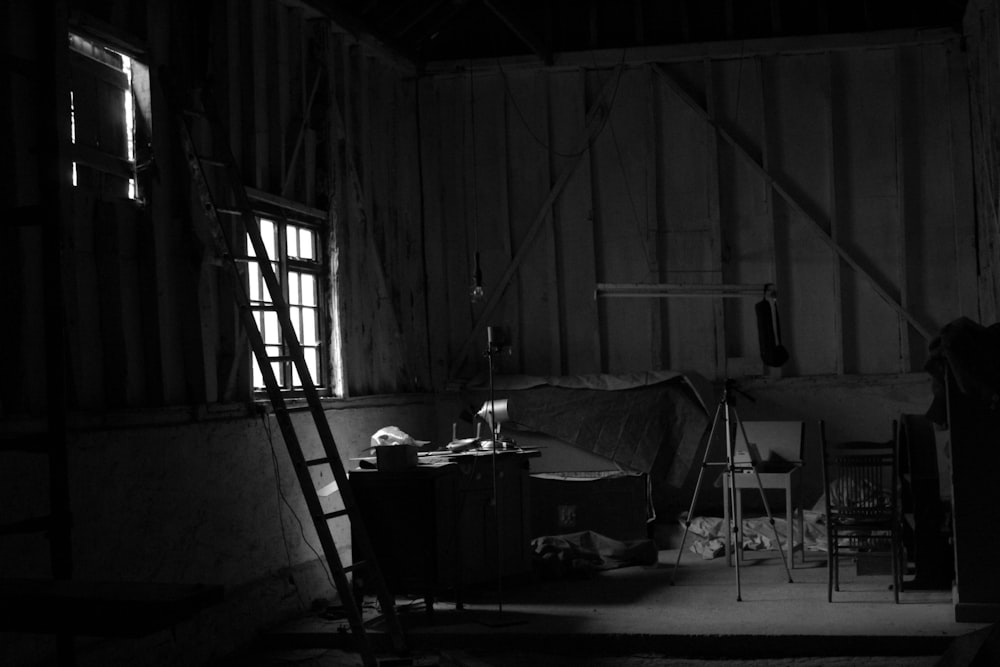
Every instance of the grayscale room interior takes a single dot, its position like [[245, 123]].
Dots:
[[500, 332]]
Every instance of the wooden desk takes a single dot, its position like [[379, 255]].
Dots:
[[433, 528]]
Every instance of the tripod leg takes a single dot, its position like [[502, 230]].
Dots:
[[735, 518], [767, 509], [697, 489]]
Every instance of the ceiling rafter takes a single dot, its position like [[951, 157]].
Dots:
[[520, 29]]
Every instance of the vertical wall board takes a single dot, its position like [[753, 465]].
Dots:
[[834, 121], [870, 216], [528, 183], [356, 324], [573, 227], [685, 247], [747, 226], [963, 192], [805, 263], [389, 239], [283, 100], [359, 130], [409, 236], [166, 228], [243, 81], [333, 121], [489, 219], [381, 192], [86, 350], [151, 329], [455, 185], [231, 102], [257, 70], [714, 221], [108, 255], [929, 216], [435, 259], [126, 220], [30, 395], [620, 155]]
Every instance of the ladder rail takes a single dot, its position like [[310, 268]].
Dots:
[[293, 347]]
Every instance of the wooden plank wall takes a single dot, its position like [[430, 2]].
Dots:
[[868, 140], [313, 117], [982, 28]]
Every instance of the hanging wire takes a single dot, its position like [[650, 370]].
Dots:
[[508, 93], [476, 290], [284, 500]]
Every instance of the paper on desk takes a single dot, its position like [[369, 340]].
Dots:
[[392, 435]]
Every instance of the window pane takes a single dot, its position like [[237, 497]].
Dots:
[[312, 362], [271, 332], [294, 295], [307, 245], [268, 232], [253, 281], [294, 313], [292, 241], [258, 377], [309, 335], [308, 290]]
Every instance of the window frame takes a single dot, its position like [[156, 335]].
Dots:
[[284, 213], [118, 169]]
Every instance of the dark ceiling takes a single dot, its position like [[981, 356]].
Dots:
[[429, 30]]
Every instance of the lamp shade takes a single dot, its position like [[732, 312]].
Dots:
[[499, 412]]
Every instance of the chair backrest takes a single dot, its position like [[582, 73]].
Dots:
[[776, 444], [860, 479]]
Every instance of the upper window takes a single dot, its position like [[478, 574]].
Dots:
[[104, 124], [294, 247]]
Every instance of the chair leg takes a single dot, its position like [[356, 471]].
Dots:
[[897, 577], [831, 556]]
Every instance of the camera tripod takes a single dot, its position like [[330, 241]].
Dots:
[[726, 412]]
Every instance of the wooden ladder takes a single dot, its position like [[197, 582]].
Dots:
[[227, 177]]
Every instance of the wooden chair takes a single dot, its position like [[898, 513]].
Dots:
[[777, 449], [862, 508]]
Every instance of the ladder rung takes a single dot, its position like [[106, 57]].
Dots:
[[213, 161], [360, 565], [229, 211], [317, 462], [335, 515], [281, 357]]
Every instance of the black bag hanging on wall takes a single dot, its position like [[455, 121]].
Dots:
[[772, 352]]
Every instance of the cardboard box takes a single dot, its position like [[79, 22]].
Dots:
[[389, 458], [611, 503]]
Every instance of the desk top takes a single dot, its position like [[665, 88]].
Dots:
[[435, 460]]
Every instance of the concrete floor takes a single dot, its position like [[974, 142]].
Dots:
[[635, 617]]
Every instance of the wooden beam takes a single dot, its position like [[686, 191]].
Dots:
[[793, 203], [593, 124], [302, 133], [523, 31], [695, 52], [673, 290], [362, 31]]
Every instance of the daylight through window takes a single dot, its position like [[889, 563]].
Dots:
[[295, 253]]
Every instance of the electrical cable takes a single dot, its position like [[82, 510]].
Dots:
[[284, 499]]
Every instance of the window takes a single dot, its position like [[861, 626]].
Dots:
[[105, 128], [295, 248]]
